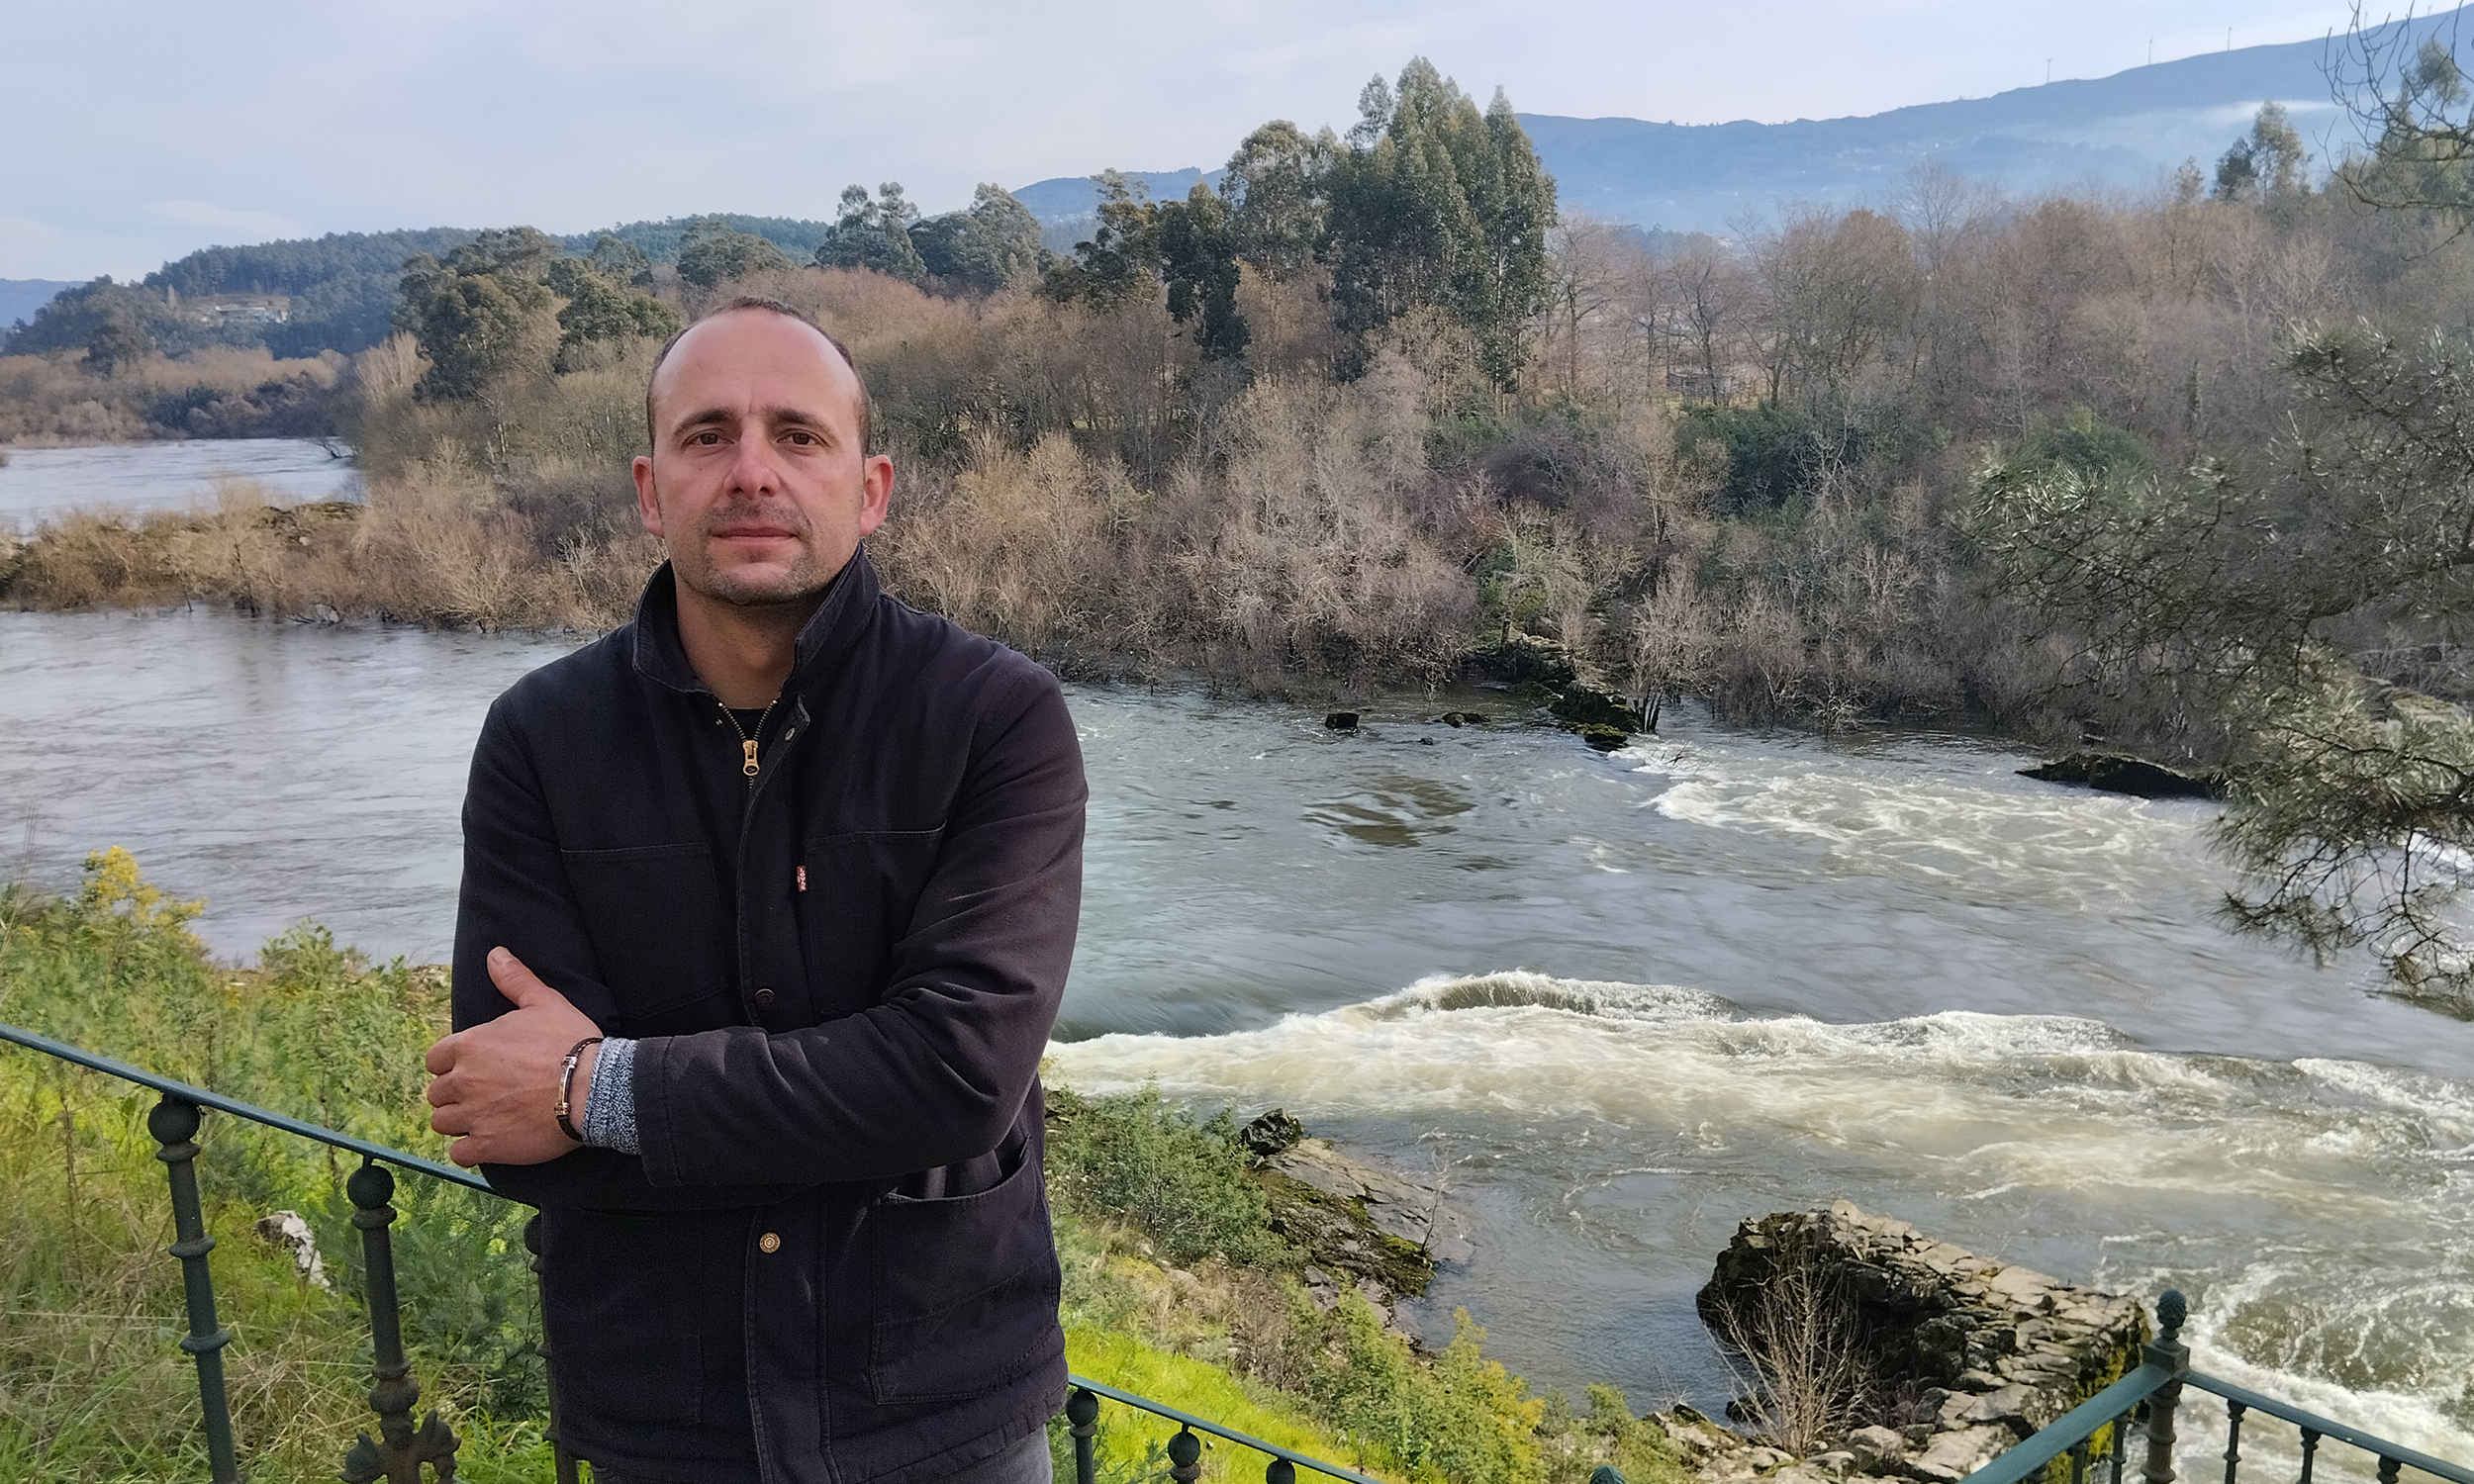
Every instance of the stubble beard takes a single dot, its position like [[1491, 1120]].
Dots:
[[740, 587]]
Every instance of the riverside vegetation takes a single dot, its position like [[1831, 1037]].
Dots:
[[1374, 413], [1176, 1282]]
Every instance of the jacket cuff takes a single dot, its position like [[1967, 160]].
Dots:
[[610, 1103]]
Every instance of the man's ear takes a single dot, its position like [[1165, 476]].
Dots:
[[877, 485], [647, 502]]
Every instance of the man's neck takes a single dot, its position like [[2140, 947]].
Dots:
[[743, 654]]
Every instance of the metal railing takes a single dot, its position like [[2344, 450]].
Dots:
[[1082, 1414], [400, 1447], [2153, 1392]]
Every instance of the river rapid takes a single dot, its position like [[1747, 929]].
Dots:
[[1617, 1002]]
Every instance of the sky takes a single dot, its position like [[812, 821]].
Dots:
[[132, 132]]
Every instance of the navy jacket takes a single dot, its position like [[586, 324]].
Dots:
[[844, 974]]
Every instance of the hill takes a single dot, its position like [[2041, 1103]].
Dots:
[[20, 298], [2128, 132]]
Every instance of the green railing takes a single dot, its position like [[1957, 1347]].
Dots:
[[402, 1446], [2150, 1396]]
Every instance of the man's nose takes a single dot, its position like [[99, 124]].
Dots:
[[756, 470]]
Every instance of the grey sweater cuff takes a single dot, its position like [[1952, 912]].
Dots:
[[610, 1103]]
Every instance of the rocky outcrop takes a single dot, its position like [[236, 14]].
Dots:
[[1963, 1354], [2119, 773], [1358, 1225]]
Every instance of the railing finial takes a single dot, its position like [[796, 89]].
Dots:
[[174, 1124], [1185, 1456], [1082, 1408], [400, 1449], [2171, 1310]]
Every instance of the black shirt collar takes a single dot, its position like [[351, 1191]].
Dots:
[[849, 602]]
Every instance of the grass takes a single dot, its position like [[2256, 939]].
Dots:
[[1176, 1287]]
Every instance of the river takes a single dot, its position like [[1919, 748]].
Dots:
[[43, 483], [1618, 1002]]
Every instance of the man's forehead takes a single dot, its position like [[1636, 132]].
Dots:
[[741, 346]]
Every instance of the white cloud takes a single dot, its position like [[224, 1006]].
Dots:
[[246, 225]]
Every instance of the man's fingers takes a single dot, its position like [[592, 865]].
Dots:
[[437, 1093], [463, 1152], [521, 985], [441, 1058], [450, 1121]]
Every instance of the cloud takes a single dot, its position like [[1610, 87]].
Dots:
[[251, 226]]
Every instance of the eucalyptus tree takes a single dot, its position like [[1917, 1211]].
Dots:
[[991, 245], [714, 250], [1434, 204], [873, 235], [481, 314]]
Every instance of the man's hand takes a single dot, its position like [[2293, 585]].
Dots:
[[496, 1084]]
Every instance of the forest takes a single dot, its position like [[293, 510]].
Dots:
[[2180, 473]]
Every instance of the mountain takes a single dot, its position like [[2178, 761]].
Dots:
[[2130, 130], [21, 297]]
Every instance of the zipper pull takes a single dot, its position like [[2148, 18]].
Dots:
[[748, 767]]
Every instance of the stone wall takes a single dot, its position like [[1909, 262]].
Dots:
[[1962, 1355]]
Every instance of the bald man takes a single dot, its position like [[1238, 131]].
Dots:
[[768, 901]]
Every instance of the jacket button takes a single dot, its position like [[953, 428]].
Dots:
[[769, 1242], [764, 996]]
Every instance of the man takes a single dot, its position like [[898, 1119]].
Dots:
[[810, 861]]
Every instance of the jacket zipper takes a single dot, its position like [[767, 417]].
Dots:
[[747, 763]]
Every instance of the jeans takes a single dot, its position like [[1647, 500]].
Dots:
[[1026, 1462]]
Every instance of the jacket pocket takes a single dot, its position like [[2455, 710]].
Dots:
[[965, 1290], [624, 1336], [661, 939], [861, 892]]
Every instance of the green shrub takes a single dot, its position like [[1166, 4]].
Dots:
[[1154, 1166], [90, 1307]]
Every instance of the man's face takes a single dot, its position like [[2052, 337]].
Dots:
[[757, 483]]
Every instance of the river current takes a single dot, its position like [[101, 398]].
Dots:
[[1618, 1003]]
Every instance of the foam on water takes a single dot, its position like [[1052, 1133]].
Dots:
[[2319, 1211], [1964, 819]]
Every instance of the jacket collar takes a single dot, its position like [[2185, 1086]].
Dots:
[[849, 602]]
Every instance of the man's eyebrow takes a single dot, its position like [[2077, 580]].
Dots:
[[774, 416], [708, 417], [794, 416]]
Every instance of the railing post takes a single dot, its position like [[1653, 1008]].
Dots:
[[2232, 1438], [1082, 1408], [173, 1123], [1185, 1456], [562, 1461], [402, 1450], [2168, 1350]]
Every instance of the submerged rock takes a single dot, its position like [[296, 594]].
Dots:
[[1271, 1133], [1341, 721], [1581, 707], [2119, 773]]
